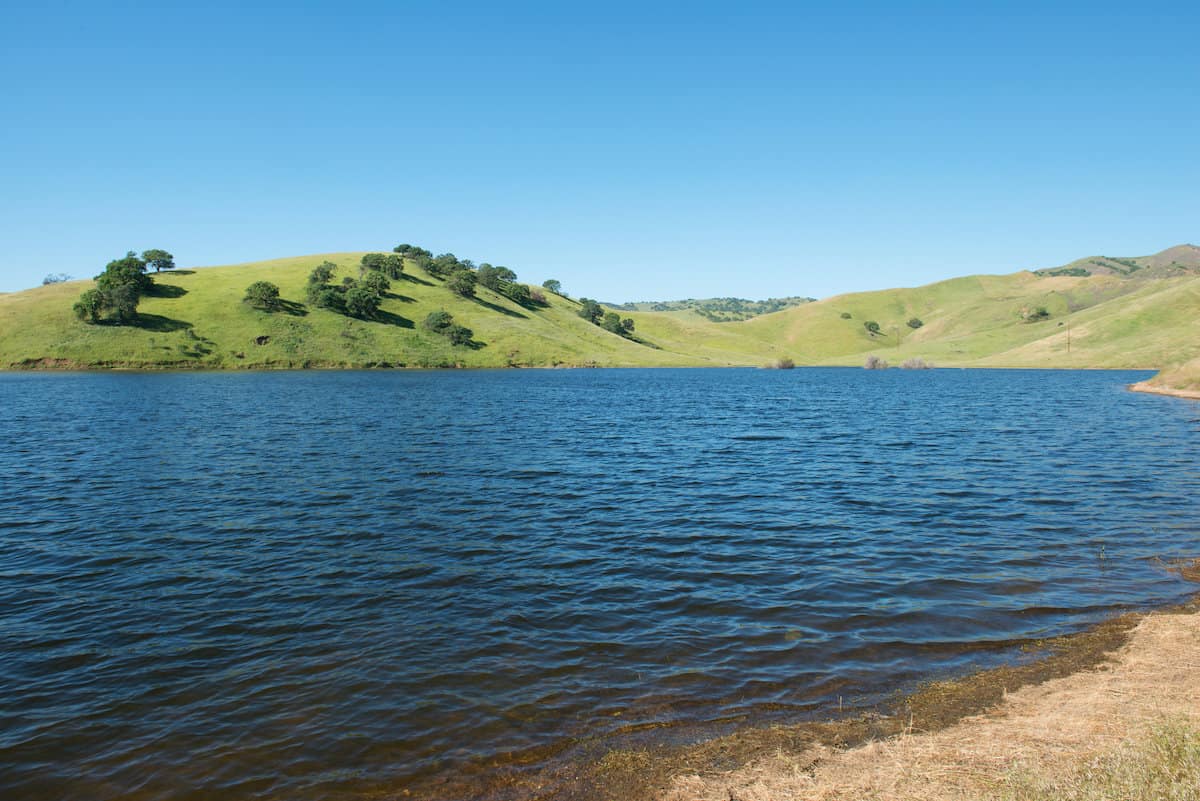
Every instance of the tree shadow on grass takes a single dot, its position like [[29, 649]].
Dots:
[[175, 272], [415, 280], [500, 309], [291, 307], [387, 317], [401, 298], [475, 344], [156, 322], [166, 291]]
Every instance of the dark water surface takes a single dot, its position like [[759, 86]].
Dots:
[[329, 585]]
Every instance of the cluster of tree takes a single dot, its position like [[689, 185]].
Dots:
[[553, 285], [872, 327], [359, 298], [717, 310], [442, 322], [388, 264], [120, 287], [463, 275], [55, 278], [412, 252], [593, 312]]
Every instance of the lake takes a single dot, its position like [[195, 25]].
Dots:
[[341, 584]]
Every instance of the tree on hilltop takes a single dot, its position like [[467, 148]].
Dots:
[[158, 259]]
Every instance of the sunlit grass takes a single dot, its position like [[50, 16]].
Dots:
[[1161, 765]]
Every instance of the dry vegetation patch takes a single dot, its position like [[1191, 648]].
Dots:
[[1127, 729]]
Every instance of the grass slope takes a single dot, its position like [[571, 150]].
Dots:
[[196, 319]]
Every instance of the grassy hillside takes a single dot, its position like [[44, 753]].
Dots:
[[1185, 377], [977, 320], [196, 319]]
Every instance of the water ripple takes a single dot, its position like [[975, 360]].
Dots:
[[327, 585]]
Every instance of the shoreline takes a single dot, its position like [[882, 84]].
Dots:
[[1147, 387], [756, 763], [1042, 732], [69, 366]]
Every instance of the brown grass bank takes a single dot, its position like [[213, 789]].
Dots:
[[1128, 727]]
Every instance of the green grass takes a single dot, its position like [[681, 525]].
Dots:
[[197, 320], [1161, 765]]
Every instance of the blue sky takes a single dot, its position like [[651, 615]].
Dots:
[[633, 151]]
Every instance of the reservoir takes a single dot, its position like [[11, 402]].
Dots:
[[315, 585]]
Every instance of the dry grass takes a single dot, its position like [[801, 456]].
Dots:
[[1161, 763], [1127, 730]]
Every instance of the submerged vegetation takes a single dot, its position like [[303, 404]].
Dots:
[[873, 362]]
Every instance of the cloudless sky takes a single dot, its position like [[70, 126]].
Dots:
[[634, 151]]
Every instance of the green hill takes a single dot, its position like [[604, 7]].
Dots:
[[196, 319]]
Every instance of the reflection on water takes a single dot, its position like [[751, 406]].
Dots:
[[328, 585]]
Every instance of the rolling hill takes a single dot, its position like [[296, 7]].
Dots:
[[195, 318]]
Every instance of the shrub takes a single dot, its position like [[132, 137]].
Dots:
[[462, 283], [916, 363], [519, 294], [875, 363], [322, 273], [361, 302], [89, 306], [1035, 314], [845, 315], [55, 278], [782, 363], [872, 327], [915, 323], [388, 264], [459, 335], [327, 297], [612, 322], [444, 265], [442, 322], [590, 310], [376, 282], [438, 321], [262, 295]]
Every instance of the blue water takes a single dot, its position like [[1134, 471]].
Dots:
[[332, 585]]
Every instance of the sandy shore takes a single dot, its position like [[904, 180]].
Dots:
[[1054, 728], [1143, 386]]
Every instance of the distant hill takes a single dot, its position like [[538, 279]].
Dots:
[[1172, 262], [718, 310], [195, 318]]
